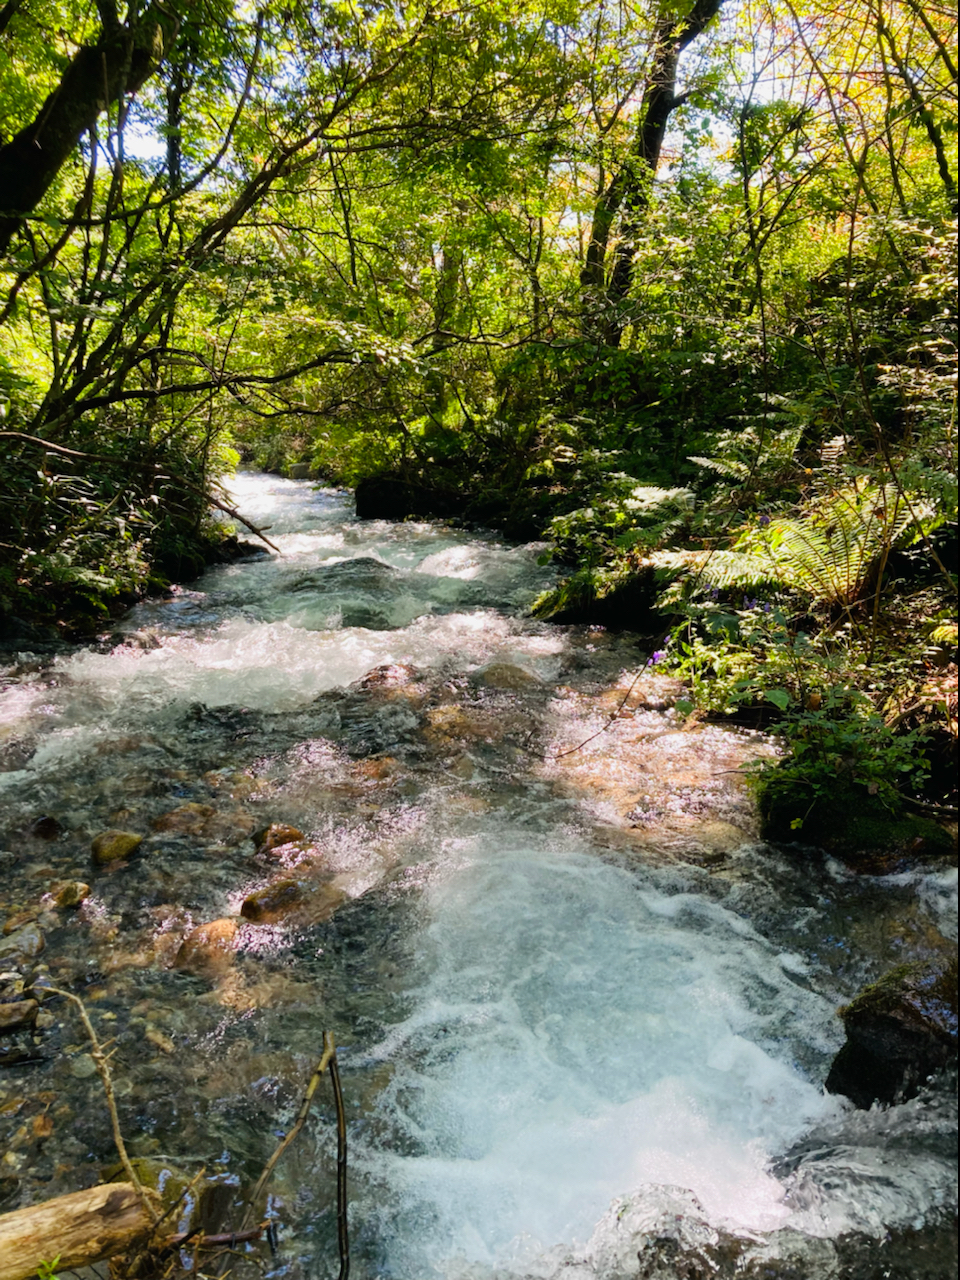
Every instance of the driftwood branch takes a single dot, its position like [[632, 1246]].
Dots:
[[87, 1226], [329, 1053]]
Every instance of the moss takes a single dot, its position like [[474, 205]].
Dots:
[[620, 600], [851, 823], [924, 994]]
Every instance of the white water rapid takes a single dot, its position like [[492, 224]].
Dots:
[[546, 1004]]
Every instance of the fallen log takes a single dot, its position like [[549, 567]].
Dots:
[[73, 1230]]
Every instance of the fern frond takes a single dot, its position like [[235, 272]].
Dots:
[[648, 499], [725, 467], [831, 552], [700, 571]]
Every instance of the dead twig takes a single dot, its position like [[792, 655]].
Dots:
[[101, 1062], [329, 1052]]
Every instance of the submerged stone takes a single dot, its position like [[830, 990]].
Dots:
[[23, 944], [273, 901], [189, 819], [506, 675], [114, 846], [304, 900], [210, 947], [900, 1031], [69, 893], [19, 1014], [17, 921], [46, 828]]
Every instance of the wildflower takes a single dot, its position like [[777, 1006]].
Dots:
[[763, 521], [657, 656]]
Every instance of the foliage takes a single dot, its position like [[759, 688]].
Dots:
[[832, 748], [691, 318]]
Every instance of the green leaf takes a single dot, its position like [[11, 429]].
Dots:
[[779, 697]]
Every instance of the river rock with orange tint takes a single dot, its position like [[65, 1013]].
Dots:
[[303, 900], [277, 834], [209, 948]]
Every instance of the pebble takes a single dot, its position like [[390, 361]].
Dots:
[[17, 1015], [22, 944], [83, 1067], [114, 846]]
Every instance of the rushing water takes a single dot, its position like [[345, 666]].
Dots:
[[558, 980]]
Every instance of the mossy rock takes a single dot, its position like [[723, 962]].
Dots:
[[620, 601], [853, 825], [900, 1030], [192, 1205]]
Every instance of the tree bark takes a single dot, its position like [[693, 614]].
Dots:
[[72, 1231], [117, 64], [627, 195]]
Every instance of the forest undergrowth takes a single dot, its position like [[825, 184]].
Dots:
[[673, 290]]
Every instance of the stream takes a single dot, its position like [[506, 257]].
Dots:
[[583, 1013]]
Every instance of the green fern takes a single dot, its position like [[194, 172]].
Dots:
[[832, 552], [697, 572]]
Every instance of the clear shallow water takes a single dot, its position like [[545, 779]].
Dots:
[[540, 1006]]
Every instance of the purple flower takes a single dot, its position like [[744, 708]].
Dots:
[[657, 656], [763, 521]]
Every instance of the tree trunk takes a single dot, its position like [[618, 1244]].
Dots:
[[72, 1231], [116, 65], [628, 193]]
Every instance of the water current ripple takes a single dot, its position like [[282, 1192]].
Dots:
[[584, 1014]]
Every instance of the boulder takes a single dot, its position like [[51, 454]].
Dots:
[[21, 1013], [852, 825], [622, 601], [299, 470], [114, 846], [900, 1030], [662, 1233]]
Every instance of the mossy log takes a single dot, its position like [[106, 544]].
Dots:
[[73, 1231]]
